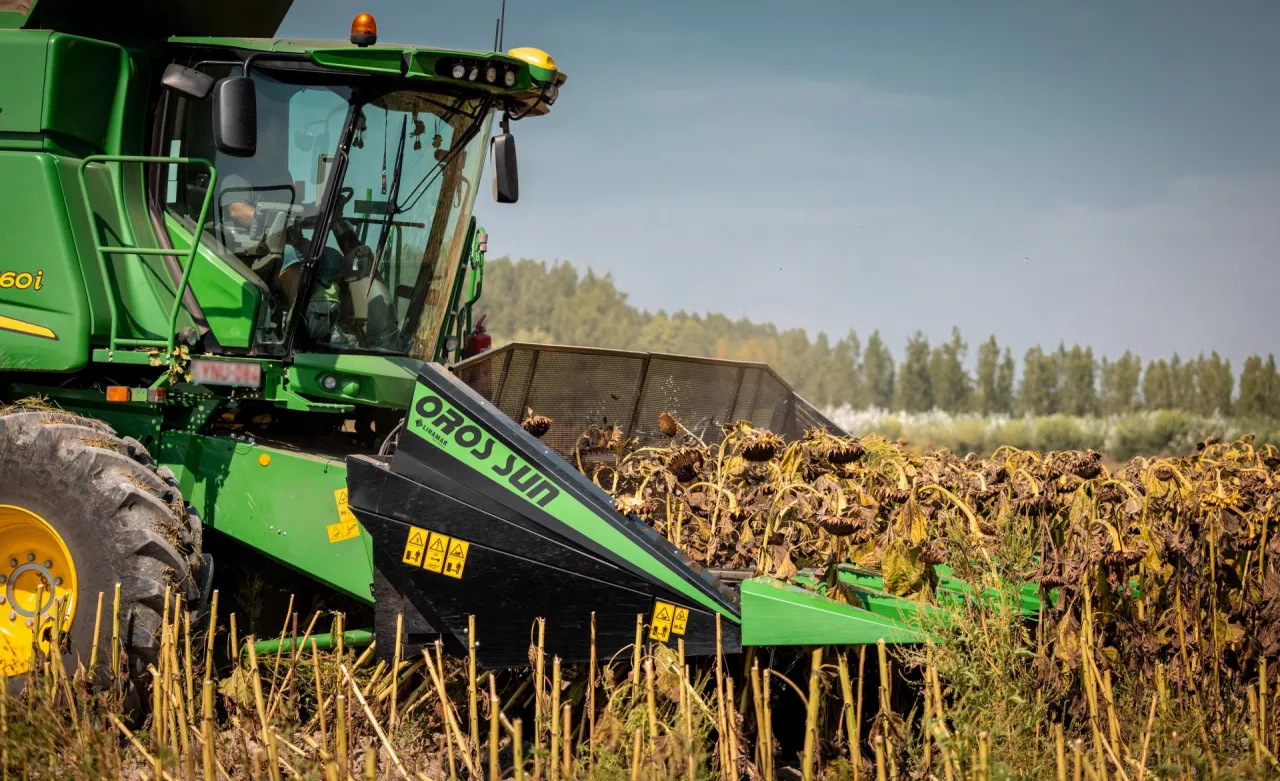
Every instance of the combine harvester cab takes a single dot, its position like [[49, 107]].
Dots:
[[474, 516]]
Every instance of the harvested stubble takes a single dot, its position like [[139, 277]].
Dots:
[[1157, 661]]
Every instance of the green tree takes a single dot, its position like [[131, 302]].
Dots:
[[1271, 388], [1182, 384], [988, 369], [1253, 392], [1039, 390], [1004, 383], [914, 386], [1078, 394], [878, 373], [1157, 386], [952, 386], [847, 356], [1120, 382], [1214, 384]]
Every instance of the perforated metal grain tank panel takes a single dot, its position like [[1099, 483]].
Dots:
[[579, 387]]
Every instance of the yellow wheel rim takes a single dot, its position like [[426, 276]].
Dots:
[[35, 567]]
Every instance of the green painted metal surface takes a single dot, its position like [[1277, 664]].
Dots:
[[22, 52], [102, 250], [323, 641], [141, 421], [44, 310], [388, 59], [282, 508], [869, 594], [951, 590], [86, 95], [375, 380], [777, 613], [229, 300]]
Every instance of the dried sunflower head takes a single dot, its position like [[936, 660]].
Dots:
[[897, 495], [839, 525], [837, 450], [668, 424], [1087, 465], [684, 464], [1163, 472], [1209, 441], [845, 452], [756, 444], [537, 425], [633, 505], [934, 553], [599, 438], [1270, 455]]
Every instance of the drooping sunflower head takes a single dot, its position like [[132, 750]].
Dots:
[[757, 444], [684, 464], [668, 424], [537, 425]]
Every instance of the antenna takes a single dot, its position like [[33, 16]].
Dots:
[[497, 28], [502, 25]]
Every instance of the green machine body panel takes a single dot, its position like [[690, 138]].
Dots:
[[229, 300], [286, 505], [778, 613], [375, 380]]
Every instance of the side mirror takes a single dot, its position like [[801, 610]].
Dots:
[[506, 177], [187, 81], [235, 116]]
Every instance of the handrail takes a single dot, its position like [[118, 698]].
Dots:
[[103, 250]]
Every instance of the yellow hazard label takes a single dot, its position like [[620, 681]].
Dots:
[[437, 549], [661, 627], [456, 558], [414, 546], [347, 526], [681, 621]]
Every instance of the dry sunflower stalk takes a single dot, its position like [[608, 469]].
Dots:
[[1163, 547]]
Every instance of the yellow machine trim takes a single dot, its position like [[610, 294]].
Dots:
[[23, 327], [535, 57]]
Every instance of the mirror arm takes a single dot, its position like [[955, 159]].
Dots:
[[271, 57]]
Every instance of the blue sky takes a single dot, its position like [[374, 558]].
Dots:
[[1098, 172]]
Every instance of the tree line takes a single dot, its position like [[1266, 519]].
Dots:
[[535, 301]]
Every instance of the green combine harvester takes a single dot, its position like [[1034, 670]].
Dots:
[[240, 272]]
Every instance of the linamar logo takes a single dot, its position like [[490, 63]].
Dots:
[[438, 421]]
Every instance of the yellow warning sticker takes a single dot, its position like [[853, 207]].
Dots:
[[347, 526], [414, 546], [661, 628], [437, 549], [681, 621], [456, 558]]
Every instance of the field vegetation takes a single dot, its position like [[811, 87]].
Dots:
[[1153, 653]]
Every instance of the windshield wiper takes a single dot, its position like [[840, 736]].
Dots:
[[393, 206]]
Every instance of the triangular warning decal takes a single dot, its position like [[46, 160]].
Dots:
[[662, 614], [437, 543], [415, 538], [456, 552]]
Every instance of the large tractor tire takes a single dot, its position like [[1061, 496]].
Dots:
[[82, 509]]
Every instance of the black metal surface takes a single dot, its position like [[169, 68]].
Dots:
[[522, 562], [579, 387]]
